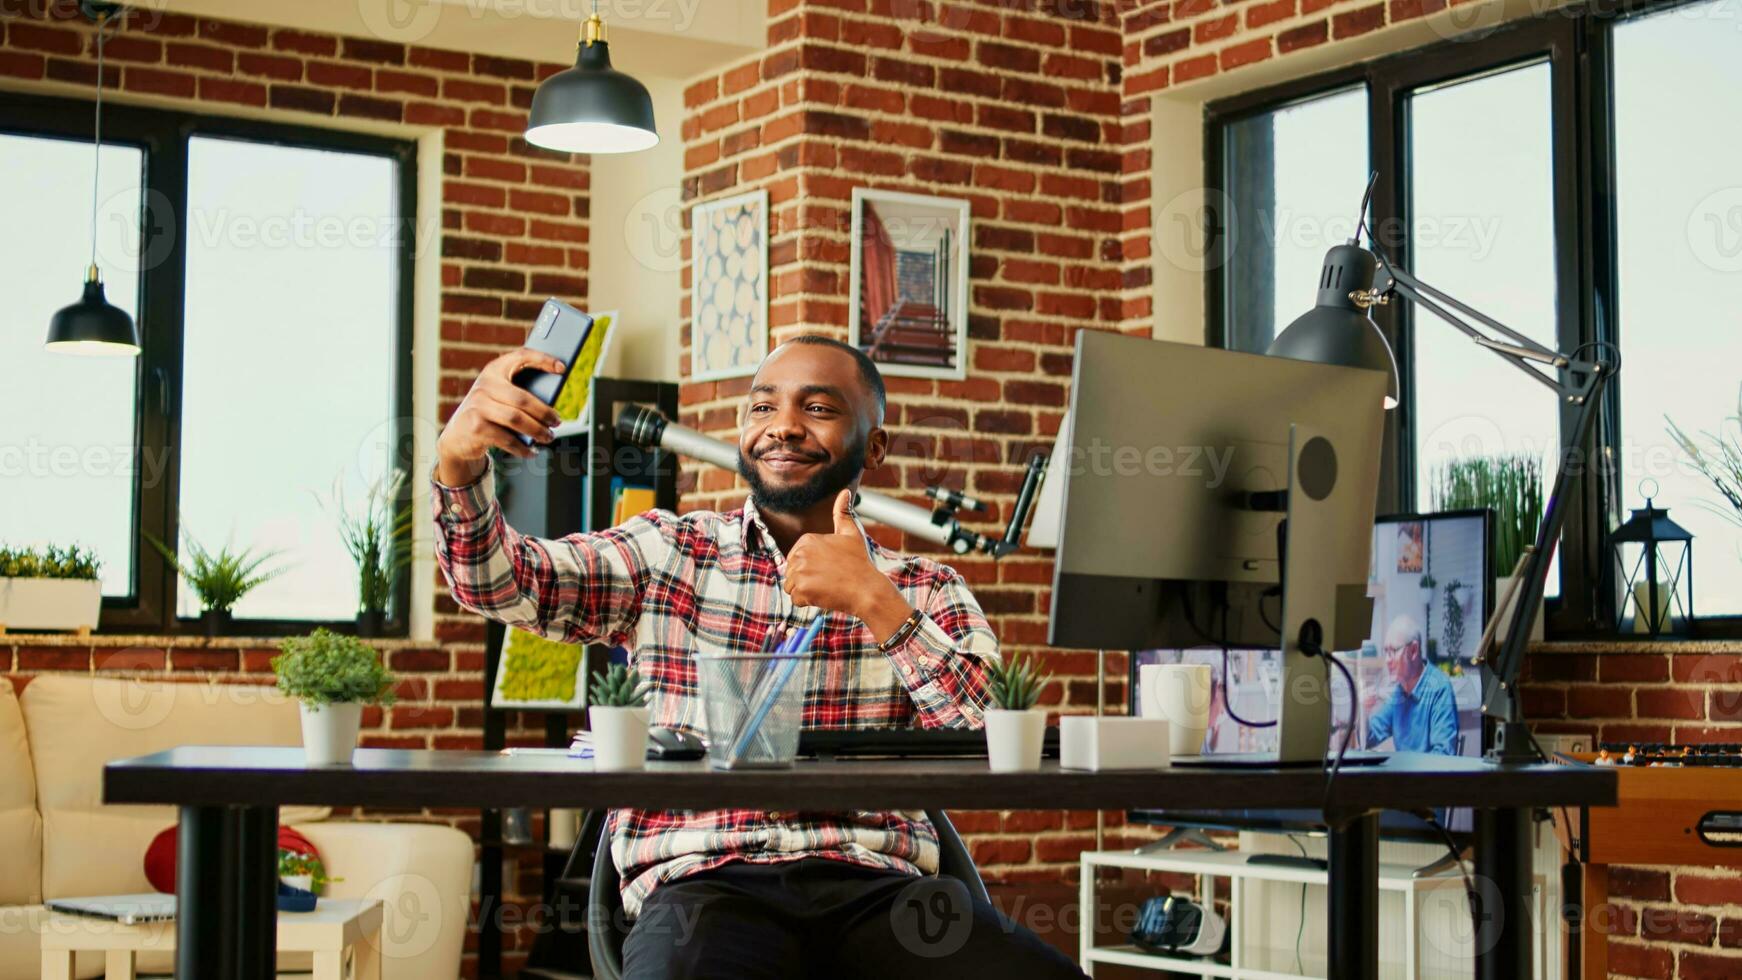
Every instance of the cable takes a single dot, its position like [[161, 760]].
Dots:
[[1311, 648], [1366, 199], [1227, 692], [1301, 931], [1428, 817], [1266, 594]]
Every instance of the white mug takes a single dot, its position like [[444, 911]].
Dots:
[[1181, 694]]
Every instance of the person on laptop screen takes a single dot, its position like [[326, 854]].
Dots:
[[1421, 715], [748, 893]]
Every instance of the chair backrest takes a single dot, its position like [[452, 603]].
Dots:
[[607, 928]]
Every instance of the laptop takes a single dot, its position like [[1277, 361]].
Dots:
[[128, 910]]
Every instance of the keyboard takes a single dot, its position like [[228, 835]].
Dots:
[[907, 743]]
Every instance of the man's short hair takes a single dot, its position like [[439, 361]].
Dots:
[[868, 373], [1403, 630]]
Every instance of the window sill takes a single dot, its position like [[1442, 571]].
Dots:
[[159, 641]]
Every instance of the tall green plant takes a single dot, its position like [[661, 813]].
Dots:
[[1718, 457], [219, 578], [378, 538], [1510, 485]]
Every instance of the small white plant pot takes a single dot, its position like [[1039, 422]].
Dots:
[[1500, 587], [1013, 739], [50, 603], [619, 738], [304, 882], [329, 732]]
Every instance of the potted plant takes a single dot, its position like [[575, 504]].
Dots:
[[379, 542], [1015, 728], [219, 579], [49, 588], [332, 677], [618, 717], [1511, 487], [303, 871]]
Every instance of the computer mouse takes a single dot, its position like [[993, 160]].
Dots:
[[672, 744]]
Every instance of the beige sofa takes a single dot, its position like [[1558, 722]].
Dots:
[[57, 839]]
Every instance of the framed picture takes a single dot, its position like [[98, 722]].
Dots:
[[538, 673], [908, 308], [729, 275]]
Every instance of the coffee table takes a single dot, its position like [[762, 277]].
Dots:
[[343, 935]]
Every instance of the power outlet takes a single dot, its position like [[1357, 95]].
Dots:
[[1554, 744]]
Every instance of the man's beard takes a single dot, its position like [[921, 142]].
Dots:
[[823, 485]]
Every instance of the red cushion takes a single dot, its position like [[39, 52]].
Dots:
[[160, 855]]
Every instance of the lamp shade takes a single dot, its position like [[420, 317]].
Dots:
[[1337, 330], [592, 108], [93, 325]]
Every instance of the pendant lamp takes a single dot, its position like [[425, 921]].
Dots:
[[592, 107], [93, 325]]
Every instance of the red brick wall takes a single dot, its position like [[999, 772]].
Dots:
[[1015, 107], [513, 231]]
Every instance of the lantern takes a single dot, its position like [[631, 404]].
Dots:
[[1654, 565]]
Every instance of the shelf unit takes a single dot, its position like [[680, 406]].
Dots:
[[1250, 956], [564, 489]]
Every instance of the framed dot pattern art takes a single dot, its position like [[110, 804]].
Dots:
[[729, 301]]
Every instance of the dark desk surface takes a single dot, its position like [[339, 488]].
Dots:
[[211, 775]]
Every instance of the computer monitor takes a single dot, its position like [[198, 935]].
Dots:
[[1180, 464], [1431, 585]]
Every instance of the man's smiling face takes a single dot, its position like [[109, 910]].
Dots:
[[811, 425]]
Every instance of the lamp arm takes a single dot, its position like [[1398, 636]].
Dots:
[[1416, 290], [1513, 742]]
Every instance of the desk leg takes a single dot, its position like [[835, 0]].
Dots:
[[1354, 888], [257, 892], [205, 881], [1503, 882], [58, 964], [119, 964]]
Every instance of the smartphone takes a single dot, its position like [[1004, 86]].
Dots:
[[560, 331]]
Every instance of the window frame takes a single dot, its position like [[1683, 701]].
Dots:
[[163, 135], [1576, 43]]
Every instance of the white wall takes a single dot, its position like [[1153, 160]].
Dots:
[[636, 228]]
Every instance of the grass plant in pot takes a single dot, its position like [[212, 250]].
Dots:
[[219, 579], [378, 539], [1511, 487], [332, 677], [49, 588], [618, 718], [1015, 728]]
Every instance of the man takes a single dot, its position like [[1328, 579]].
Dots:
[[1421, 714], [744, 893]]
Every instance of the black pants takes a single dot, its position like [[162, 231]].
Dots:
[[821, 918]]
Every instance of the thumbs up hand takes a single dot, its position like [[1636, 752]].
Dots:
[[834, 571]]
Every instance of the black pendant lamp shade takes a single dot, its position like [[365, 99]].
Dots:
[[93, 325], [1337, 330], [592, 107]]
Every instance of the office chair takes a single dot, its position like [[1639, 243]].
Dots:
[[605, 933]]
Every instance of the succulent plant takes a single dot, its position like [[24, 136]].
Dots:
[[48, 562], [619, 687], [1016, 683]]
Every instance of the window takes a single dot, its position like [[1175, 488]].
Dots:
[[268, 269], [1679, 222], [1481, 228], [67, 443], [1293, 192], [1568, 176]]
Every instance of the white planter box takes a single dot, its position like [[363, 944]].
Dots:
[[50, 603], [1097, 743]]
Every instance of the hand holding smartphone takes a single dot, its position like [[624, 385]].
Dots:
[[560, 331]]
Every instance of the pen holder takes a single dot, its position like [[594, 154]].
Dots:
[[753, 706]]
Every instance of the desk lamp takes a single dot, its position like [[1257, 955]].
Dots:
[[1340, 330]]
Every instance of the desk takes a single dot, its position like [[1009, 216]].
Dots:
[[229, 799]]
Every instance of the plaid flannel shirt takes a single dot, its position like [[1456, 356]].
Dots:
[[668, 587]]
